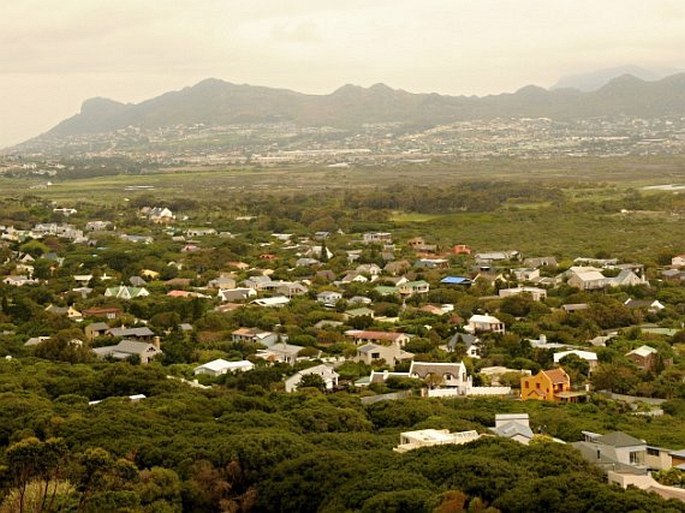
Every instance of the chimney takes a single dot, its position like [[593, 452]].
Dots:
[[156, 342]]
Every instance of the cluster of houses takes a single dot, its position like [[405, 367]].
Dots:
[[401, 273], [401, 278]]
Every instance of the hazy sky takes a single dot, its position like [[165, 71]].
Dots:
[[56, 53]]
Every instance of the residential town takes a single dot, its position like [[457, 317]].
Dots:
[[383, 317], [377, 144]]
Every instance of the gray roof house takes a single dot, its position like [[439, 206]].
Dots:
[[470, 342], [96, 329], [127, 349], [281, 352], [514, 426], [143, 333], [615, 451]]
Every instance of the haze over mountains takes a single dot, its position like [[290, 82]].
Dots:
[[593, 80], [215, 102]]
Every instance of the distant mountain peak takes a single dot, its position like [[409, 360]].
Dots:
[[594, 80], [347, 89], [99, 104], [627, 79], [380, 87], [532, 91], [214, 102]]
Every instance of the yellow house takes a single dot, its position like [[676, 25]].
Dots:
[[546, 385], [149, 273]]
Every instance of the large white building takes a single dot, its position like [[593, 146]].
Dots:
[[484, 323]]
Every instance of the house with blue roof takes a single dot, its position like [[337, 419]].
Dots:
[[456, 280]]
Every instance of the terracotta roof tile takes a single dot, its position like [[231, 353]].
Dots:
[[557, 375]]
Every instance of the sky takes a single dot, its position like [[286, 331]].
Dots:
[[54, 54]]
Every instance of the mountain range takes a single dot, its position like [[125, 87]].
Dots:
[[214, 102], [593, 80]]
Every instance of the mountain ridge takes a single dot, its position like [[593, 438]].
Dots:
[[217, 102], [594, 80]]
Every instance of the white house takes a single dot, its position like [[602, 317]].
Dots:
[[370, 269], [588, 356], [484, 323], [650, 306], [326, 372], [377, 237], [678, 261], [537, 294], [256, 336], [451, 375], [586, 278], [19, 281], [220, 366], [514, 426], [271, 302], [410, 440], [413, 287], [626, 278], [617, 447], [328, 297], [123, 292], [526, 274], [236, 294]]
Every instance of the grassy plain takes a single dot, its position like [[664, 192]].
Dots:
[[588, 220], [585, 178]]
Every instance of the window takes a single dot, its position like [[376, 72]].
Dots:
[[651, 451], [537, 385], [375, 356], [526, 384], [635, 457]]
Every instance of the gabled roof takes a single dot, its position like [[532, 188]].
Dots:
[[466, 338], [585, 355], [134, 347], [484, 319], [642, 351], [322, 370], [590, 276], [512, 429], [220, 364], [557, 375], [619, 439], [127, 347], [98, 326], [423, 369], [131, 332], [285, 349]]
